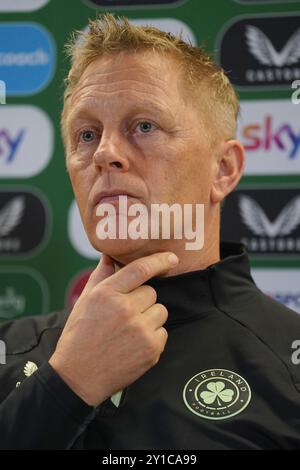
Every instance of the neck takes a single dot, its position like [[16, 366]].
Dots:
[[190, 260]]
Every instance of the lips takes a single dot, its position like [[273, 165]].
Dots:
[[111, 196]]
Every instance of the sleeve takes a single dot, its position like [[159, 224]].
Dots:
[[43, 413]]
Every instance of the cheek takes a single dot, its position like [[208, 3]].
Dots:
[[193, 176], [80, 181]]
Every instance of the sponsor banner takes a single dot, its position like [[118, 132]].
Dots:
[[267, 221], [266, 51], [270, 133], [24, 222], [23, 292], [26, 141], [133, 3], [77, 235], [281, 284], [21, 5], [27, 58], [76, 287]]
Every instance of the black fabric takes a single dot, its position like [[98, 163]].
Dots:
[[218, 320]]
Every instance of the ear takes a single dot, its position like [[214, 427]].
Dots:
[[228, 169]]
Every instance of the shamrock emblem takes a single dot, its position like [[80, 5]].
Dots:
[[216, 391]]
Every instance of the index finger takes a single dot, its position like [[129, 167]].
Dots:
[[140, 271]]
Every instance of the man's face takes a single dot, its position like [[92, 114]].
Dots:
[[130, 129]]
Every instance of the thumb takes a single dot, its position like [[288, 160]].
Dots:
[[104, 269]]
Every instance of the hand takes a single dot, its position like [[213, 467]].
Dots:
[[115, 332]]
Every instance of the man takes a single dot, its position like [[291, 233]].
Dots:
[[166, 348]]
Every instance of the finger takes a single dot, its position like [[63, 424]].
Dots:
[[143, 297], [156, 316], [141, 270], [161, 336], [103, 270]]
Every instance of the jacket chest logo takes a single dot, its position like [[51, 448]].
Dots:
[[29, 368], [217, 394]]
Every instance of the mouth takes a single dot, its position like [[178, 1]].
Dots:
[[111, 196]]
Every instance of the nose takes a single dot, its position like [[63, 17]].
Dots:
[[111, 154]]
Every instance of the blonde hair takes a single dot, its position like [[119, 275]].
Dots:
[[202, 79]]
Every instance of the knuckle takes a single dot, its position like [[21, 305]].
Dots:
[[143, 269], [138, 331], [114, 303], [163, 339], [93, 275], [104, 297], [103, 293], [165, 335], [94, 295], [148, 342], [124, 308], [163, 310], [152, 293], [153, 359], [156, 355]]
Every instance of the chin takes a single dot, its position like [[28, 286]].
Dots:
[[122, 250]]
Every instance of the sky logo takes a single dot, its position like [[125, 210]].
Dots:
[[267, 136], [26, 141], [27, 58], [10, 144], [270, 133]]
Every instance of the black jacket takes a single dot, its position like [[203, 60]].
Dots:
[[226, 379]]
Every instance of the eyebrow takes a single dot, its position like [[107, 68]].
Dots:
[[87, 110]]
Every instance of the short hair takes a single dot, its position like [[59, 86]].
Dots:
[[202, 78]]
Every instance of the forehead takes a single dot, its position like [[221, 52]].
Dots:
[[146, 73]]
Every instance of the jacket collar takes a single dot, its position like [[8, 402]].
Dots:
[[196, 293]]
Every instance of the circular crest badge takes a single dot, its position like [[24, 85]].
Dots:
[[216, 394]]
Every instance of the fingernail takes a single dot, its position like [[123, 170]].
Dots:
[[173, 259]]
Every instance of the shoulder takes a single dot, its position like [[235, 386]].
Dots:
[[28, 343], [265, 316], [273, 324], [26, 333]]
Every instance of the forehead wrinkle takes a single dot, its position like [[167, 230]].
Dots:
[[122, 70], [91, 103], [117, 92], [112, 63], [93, 93], [163, 89], [150, 76], [116, 86]]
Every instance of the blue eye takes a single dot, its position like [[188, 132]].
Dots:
[[87, 136], [145, 126]]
